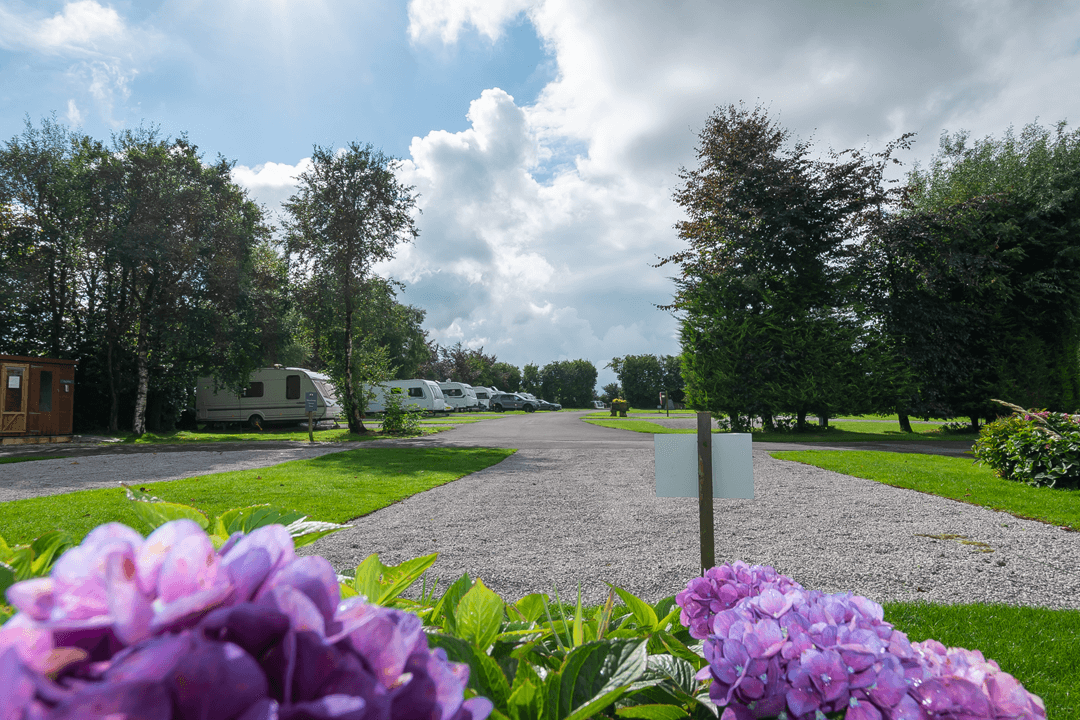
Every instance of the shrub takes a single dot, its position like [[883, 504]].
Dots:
[[1036, 447], [398, 420]]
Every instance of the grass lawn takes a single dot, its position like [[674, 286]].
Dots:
[[641, 426], [336, 488], [956, 478], [26, 458], [179, 437]]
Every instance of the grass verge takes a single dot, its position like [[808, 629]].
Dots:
[[843, 431], [336, 488], [185, 437], [955, 478], [641, 426], [26, 458], [1037, 646]]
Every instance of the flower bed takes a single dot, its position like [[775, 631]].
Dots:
[[1036, 447], [170, 627]]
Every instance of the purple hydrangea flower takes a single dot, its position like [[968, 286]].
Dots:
[[168, 628], [723, 586], [803, 655]]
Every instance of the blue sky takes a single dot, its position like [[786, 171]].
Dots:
[[544, 136]]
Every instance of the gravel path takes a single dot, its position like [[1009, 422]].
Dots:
[[560, 517]]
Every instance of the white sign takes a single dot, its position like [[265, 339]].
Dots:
[[13, 381], [677, 465]]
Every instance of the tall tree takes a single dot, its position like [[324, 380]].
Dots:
[[349, 212], [771, 233], [571, 383], [644, 377], [978, 274]]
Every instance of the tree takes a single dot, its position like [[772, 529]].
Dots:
[[506, 377], [770, 267], [611, 391], [644, 377], [530, 378], [349, 213], [570, 383], [978, 274]]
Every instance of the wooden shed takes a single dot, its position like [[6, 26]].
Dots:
[[37, 402]]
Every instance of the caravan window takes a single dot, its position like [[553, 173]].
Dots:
[[326, 389], [292, 387], [253, 390], [416, 392]]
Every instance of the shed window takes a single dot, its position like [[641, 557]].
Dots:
[[416, 392], [45, 397], [253, 390], [13, 383], [292, 387]]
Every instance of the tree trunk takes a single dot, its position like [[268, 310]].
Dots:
[[352, 405], [734, 418], [823, 422], [114, 400], [905, 423], [974, 423], [800, 421], [143, 364]]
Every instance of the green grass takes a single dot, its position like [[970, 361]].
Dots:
[[641, 426], [336, 488], [1037, 646], [183, 437], [24, 458], [956, 478]]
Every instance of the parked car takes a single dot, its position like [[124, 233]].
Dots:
[[541, 404], [598, 404], [512, 401]]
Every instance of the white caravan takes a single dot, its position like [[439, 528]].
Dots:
[[415, 395], [274, 395], [483, 396], [460, 396]]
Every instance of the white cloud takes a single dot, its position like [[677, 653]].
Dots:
[[446, 20], [104, 51], [74, 116], [270, 184]]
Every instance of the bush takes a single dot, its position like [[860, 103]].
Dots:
[[1036, 447], [398, 420]]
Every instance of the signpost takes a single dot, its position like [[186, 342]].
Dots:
[[310, 403], [686, 463]]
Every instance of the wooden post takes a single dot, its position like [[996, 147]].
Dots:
[[705, 496], [310, 436]]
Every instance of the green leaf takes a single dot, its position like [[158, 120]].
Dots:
[[21, 561], [397, 578], [5, 549], [485, 675], [47, 549], [596, 674], [531, 607], [449, 601], [579, 631], [680, 672], [642, 612], [7, 578], [156, 512], [676, 648], [366, 581], [652, 712], [526, 702], [304, 531], [479, 616], [249, 518]]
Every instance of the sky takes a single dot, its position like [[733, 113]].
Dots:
[[544, 138]]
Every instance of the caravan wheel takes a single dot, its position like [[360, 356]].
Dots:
[[255, 422]]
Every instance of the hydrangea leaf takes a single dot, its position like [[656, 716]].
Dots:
[[366, 581], [531, 607], [679, 671], [596, 674], [479, 615], [255, 516], [447, 604], [652, 712], [7, 577], [397, 578], [642, 612], [47, 549], [155, 512], [304, 531], [526, 702]]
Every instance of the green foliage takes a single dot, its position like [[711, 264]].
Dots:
[[571, 383], [977, 276], [643, 377], [1036, 447], [349, 212], [773, 317], [397, 420], [530, 379]]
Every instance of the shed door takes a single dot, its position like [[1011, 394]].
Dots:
[[13, 407], [41, 419]]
